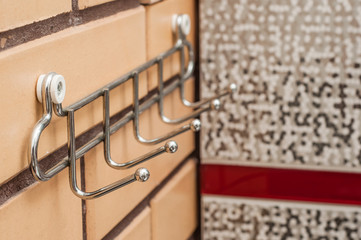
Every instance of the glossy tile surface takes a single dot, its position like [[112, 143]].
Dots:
[[174, 208], [47, 210], [140, 228], [290, 184]]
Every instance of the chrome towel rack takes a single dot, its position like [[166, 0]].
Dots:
[[51, 90]]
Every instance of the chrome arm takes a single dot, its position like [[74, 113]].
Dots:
[[169, 147], [195, 125], [181, 31], [141, 174], [51, 92], [214, 105]]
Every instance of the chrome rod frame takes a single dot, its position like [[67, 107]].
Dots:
[[37, 131], [60, 111], [72, 170], [169, 147], [185, 75], [50, 105], [211, 106], [194, 126]]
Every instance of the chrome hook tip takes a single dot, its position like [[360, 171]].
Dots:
[[232, 88], [216, 104], [171, 147], [196, 125], [142, 174]]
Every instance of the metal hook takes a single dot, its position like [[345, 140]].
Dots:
[[141, 174], [195, 125], [213, 105], [181, 27], [51, 92], [45, 87], [169, 147]]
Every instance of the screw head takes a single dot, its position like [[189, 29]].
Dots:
[[142, 174], [216, 104], [171, 147], [196, 125], [186, 24], [183, 22], [57, 88]]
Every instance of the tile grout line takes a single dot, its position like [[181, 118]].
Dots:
[[75, 5]]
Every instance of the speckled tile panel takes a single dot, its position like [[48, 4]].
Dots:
[[239, 218], [297, 65]]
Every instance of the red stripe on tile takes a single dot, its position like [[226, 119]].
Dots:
[[285, 184]]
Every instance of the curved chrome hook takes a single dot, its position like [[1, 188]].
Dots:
[[185, 75], [141, 174], [213, 105], [195, 125], [44, 85], [169, 147]]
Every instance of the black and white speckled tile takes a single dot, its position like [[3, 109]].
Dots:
[[297, 64], [246, 219]]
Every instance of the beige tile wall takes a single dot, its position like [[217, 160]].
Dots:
[[174, 208], [140, 228], [47, 210], [88, 56], [17, 13]]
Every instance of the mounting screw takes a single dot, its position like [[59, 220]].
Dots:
[[57, 88], [183, 21], [142, 174], [171, 147], [196, 125]]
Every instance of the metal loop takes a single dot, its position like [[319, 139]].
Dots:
[[190, 126], [169, 147], [232, 87], [51, 91], [140, 175], [185, 75], [37, 131], [214, 105]]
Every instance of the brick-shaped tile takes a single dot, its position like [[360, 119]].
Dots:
[[48, 210], [18, 13], [105, 212], [88, 56]]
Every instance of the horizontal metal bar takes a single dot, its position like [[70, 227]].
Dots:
[[115, 126], [88, 99], [63, 112]]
